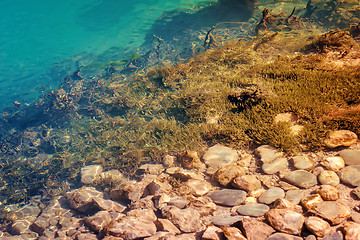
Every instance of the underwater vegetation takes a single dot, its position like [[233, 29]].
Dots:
[[131, 115]]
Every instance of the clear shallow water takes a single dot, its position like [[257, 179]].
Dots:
[[41, 41]]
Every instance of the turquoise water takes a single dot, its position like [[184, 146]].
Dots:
[[42, 41]]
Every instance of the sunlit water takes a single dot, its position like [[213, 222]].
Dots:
[[41, 41]]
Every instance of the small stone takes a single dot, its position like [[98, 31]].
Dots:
[[301, 178], [350, 175], [246, 182], [283, 236], [91, 173], [204, 205], [82, 199], [130, 227], [233, 233], [219, 156], [351, 157], [310, 237], [352, 230], [329, 178], [339, 138], [317, 226], [144, 203], [226, 174], [329, 193], [187, 220], [146, 215], [98, 221], [332, 211], [153, 169], [310, 201], [356, 191], [286, 221], [256, 230], [198, 187], [178, 202], [289, 117], [113, 176], [303, 162], [228, 197], [130, 190], [166, 226], [108, 205], [250, 200], [253, 209], [256, 193], [333, 163], [334, 236], [268, 153], [275, 165], [169, 161], [212, 233], [184, 174], [270, 195], [190, 159], [286, 204], [294, 195], [160, 235], [221, 221], [86, 236]]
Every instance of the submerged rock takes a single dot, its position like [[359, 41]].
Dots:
[[228, 197], [253, 209], [219, 156], [90, 173]]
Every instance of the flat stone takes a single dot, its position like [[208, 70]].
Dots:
[[179, 202], [283, 236], [166, 226], [286, 221], [212, 233], [275, 165], [339, 138], [184, 174], [144, 203], [329, 178], [350, 175], [219, 156], [329, 193], [82, 199], [332, 211], [311, 200], [233, 233], [301, 178], [317, 226], [130, 227], [108, 205], [198, 187], [221, 221], [282, 203], [294, 195], [303, 163], [351, 157], [333, 163], [228, 197], [253, 209], [153, 169], [99, 221], [204, 205], [334, 236], [146, 215], [268, 153], [352, 230], [90, 173], [270, 195], [112, 175], [226, 174], [256, 230], [246, 182], [187, 220]]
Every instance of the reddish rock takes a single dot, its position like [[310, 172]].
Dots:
[[99, 221], [213, 233], [256, 230], [86, 236], [82, 199], [233, 233], [332, 211], [286, 221], [187, 220], [284, 236], [310, 201], [190, 159], [340, 138], [352, 230], [204, 205], [317, 226], [130, 190], [130, 227], [226, 174], [108, 205], [329, 193], [166, 226]]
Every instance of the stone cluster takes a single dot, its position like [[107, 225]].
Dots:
[[223, 194]]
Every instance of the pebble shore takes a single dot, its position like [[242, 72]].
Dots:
[[224, 194]]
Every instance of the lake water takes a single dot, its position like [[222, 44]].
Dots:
[[42, 41]]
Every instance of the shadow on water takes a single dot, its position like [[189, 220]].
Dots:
[[172, 23]]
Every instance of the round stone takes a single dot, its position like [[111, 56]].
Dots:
[[246, 182], [294, 195], [350, 175], [228, 197], [333, 163], [301, 178], [275, 166], [253, 209], [351, 157], [329, 193], [270, 195], [302, 162], [329, 178]]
